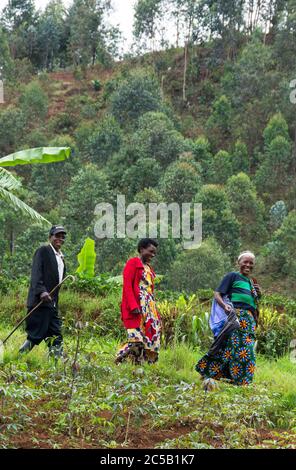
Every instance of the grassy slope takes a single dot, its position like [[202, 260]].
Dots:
[[139, 407]]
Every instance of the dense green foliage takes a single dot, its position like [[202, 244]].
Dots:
[[205, 115], [185, 317], [213, 125]]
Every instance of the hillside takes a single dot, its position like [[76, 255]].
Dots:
[[132, 133]]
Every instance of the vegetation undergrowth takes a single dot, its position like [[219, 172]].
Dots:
[[89, 402]]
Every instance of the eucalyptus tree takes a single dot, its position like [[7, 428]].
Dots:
[[246, 206], [18, 12], [52, 35], [201, 268], [89, 33], [285, 38], [219, 221], [187, 14], [221, 17], [263, 13], [222, 21], [276, 174], [6, 63], [19, 19], [148, 17]]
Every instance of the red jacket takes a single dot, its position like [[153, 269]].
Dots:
[[132, 275]]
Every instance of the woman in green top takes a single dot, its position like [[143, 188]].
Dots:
[[236, 359]]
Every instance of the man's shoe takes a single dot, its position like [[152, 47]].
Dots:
[[26, 347], [56, 352]]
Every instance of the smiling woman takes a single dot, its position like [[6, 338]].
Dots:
[[138, 309], [235, 360]]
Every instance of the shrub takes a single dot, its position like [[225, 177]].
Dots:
[[62, 123], [12, 129], [96, 85], [277, 214], [184, 320], [247, 207], [104, 141], [275, 332], [198, 269], [34, 102], [135, 96], [143, 174], [280, 252], [218, 219], [181, 181], [156, 137]]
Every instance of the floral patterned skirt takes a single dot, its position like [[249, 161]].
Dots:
[[236, 359], [143, 343]]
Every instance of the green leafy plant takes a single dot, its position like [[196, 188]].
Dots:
[[87, 259], [9, 184], [96, 84], [185, 320], [275, 332]]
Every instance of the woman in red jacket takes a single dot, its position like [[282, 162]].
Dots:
[[138, 309]]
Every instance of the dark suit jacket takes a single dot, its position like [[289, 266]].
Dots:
[[45, 275]]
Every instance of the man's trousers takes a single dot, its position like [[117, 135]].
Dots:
[[43, 324]]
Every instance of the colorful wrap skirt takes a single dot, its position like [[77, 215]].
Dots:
[[236, 360], [143, 343]]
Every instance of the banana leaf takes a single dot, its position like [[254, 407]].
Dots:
[[17, 204], [8, 181], [37, 155], [86, 259]]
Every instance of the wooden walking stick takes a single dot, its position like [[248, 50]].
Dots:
[[2, 343]]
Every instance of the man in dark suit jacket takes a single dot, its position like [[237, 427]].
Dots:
[[48, 270]]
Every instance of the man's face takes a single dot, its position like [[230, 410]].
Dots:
[[57, 240]]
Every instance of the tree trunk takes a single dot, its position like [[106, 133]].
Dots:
[[162, 87], [185, 70], [294, 151], [11, 242], [186, 50], [257, 13], [250, 15], [1, 91], [268, 22], [94, 53], [153, 38]]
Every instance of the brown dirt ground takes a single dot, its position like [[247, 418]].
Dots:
[[41, 435]]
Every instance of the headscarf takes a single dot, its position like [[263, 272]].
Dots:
[[246, 253]]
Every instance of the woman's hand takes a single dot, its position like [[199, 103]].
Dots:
[[258, 289], [45, 297], [137, 311], [227, 308]]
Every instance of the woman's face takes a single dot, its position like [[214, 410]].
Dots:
[[246, 265], [148, 253]]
